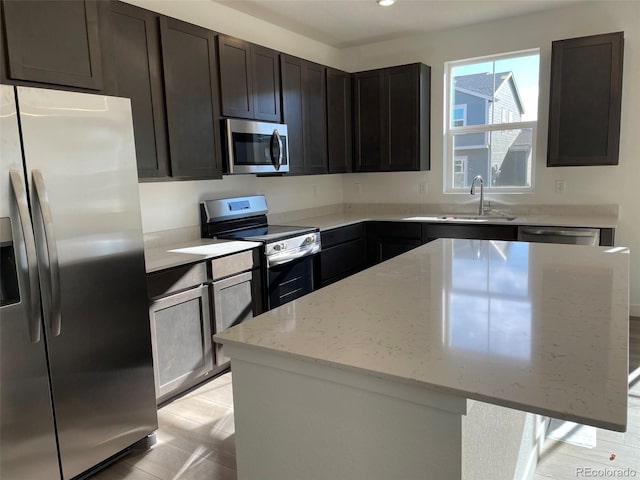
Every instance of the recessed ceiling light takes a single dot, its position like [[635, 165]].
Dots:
[[385, 3]]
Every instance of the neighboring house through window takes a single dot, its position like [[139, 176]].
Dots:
[[460, 172], [491, 121]]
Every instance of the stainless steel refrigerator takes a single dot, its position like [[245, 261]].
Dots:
[[76, 374]]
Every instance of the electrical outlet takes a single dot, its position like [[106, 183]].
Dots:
[[561, 186], [423, 187], [356, 188]]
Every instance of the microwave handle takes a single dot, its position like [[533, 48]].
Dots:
[[275, 137]]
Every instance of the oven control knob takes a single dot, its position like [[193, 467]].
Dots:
[[279, 247], [308, 240]]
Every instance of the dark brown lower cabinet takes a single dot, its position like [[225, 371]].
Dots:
[[343, 253], [347, 250], [386, 240]]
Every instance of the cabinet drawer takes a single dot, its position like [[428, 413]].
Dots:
[[232, 264], [172, 280], [339, 235]]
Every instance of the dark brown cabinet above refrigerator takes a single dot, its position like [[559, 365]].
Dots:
[[54, 42], [585, 101], [136, 64], [249, 80], [168, 68], [391, 118], [190, 69]]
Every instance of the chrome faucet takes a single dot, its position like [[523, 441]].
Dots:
[[481, 207]]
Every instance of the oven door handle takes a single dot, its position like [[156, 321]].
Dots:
[[280, 259]]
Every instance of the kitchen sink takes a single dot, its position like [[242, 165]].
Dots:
[[476, 218], [462, 218]]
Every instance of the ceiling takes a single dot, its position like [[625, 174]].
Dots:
[[348, 23]]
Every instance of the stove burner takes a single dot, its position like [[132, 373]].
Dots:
[[268, 233]]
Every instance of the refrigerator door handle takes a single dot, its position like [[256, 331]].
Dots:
[[55, 320], [20, 194]]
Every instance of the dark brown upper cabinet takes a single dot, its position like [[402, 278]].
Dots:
[[249, 80], [136, 63], [190, 71], [339, 149], [304, 112], [585, 101], [391, 108], [54, 42]]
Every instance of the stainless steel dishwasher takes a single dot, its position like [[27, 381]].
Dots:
[[567, 235]]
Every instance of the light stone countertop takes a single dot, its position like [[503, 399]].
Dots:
[[192, 251], [536, 327], [335, 220], [160, 247]]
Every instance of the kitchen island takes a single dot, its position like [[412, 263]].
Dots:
[[416, 367]]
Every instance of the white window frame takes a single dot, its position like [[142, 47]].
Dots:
[[449, 130]]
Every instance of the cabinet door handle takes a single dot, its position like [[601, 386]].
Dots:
[[53, 283], [20, 195]]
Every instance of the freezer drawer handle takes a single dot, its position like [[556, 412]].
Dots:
[[52, 253], [20, 193]]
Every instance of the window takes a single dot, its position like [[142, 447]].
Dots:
[[459, 116], [460, 171], [491, 121]]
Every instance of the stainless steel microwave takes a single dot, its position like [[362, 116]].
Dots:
[[256, 147]]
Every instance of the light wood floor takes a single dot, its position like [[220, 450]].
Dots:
[[196, 439]]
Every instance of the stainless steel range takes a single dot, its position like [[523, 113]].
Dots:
[[289, 255]]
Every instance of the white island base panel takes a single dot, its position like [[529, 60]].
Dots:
[[297, 419]]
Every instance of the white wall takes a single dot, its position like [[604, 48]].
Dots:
[[169, 205], [226, 20], [585, 185]]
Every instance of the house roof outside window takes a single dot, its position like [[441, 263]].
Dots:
[[487, 85]]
